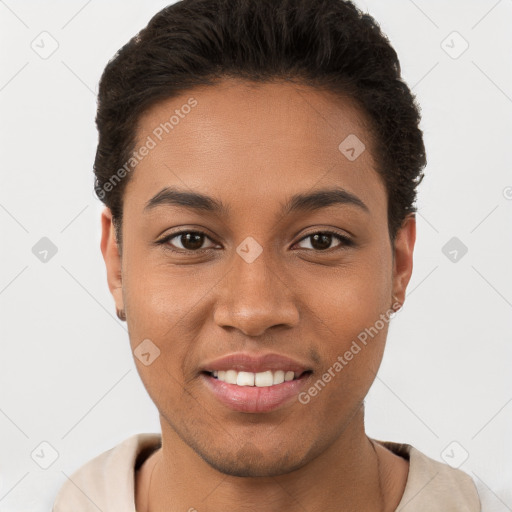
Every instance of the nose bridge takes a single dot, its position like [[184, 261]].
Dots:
[[255, 297]]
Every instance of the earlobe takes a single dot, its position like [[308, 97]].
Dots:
[[403, 258], [112, 258]]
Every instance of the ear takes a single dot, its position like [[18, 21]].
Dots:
[[403, 257], [112, 258]]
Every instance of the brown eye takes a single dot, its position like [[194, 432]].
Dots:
[[186, 241], [192, 241], [322, 241]]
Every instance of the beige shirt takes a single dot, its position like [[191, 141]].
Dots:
[[107, 482]]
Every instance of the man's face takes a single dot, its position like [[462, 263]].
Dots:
[[259, 283]]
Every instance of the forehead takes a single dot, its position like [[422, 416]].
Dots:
[[251, 140]]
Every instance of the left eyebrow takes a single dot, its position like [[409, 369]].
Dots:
[[322, 199], [304, 202]]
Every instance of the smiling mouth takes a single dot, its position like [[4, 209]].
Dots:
[[264, 379]]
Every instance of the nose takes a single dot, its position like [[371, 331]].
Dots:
[[255, 297]]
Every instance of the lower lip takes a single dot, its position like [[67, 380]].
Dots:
[[252, 398]]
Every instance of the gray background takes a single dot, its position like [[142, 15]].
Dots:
[[67, 376]]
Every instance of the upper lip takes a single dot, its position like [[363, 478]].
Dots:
[[244, 361]]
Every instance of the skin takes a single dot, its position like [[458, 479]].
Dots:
[[253, 147]]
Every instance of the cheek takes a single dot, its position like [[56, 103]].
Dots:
[[352, 298], [351, 318], [166, 305], [158, 308], [352, 348], [160, 296]]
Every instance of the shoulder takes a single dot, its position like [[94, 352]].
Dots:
[[433, 485], [106, 482]]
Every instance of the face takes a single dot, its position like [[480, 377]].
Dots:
[[256, 277]]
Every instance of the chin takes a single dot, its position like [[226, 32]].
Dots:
[[249, 461]]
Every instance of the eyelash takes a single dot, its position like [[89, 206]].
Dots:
[[344, 241]]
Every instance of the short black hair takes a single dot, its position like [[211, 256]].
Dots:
[[327, 44]]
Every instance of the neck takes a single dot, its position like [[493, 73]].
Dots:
[[347, 476]]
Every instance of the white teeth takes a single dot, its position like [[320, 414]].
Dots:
[[279, 377], [263, 379], [245, 379], [260, 380], [231, 377], [288, 376]]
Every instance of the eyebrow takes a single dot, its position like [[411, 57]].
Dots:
[[322, 199], [171, 196]]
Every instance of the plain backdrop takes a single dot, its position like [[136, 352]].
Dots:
[[67, 377]]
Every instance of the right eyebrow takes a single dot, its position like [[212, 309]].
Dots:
[[171, 196]]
